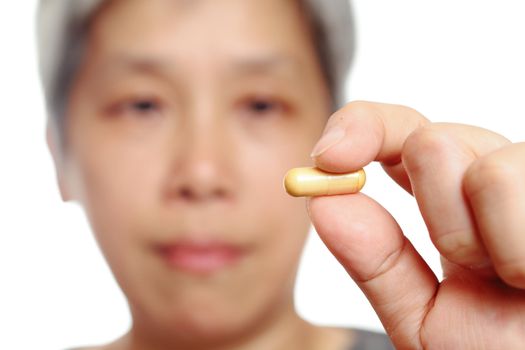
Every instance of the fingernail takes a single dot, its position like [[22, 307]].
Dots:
[[330, 138]]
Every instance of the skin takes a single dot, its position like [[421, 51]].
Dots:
[[469, 185], [181, 132], [153, 176]]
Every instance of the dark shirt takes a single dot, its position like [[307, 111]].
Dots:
[[362, 340], [366, 340]]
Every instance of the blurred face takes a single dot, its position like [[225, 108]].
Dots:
[[183, 119]]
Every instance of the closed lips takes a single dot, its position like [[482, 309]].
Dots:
[[200, 257]]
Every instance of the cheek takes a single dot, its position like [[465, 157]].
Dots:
[[263, 167], [117, 183], [282, 220], [284, 225]]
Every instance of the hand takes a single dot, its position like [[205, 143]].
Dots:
[[469, 184]]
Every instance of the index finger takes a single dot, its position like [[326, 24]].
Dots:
[[362, 132]]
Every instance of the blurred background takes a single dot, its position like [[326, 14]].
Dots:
[[455, 61]]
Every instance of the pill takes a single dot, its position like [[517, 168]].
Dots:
[[309, 182]]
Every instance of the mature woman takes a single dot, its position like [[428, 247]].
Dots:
[[172, 123]]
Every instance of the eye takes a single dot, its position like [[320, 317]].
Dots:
[[143, 107], [262, 107], [137, 107]]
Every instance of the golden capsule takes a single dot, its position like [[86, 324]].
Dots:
[[309, 182]]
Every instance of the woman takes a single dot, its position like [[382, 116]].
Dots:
[[173, 123]]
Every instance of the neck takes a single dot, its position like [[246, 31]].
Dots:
[[282, 329]]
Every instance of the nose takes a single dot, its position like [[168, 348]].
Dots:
[[202, 170]]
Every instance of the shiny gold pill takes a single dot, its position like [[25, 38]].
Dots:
[[310, 182]]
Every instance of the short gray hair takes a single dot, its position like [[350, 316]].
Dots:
[[62, 27]]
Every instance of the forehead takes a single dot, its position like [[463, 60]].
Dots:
[[183, 27]]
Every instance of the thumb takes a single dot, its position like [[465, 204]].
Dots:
[[369, 244]]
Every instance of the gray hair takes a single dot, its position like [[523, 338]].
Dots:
[[62, 27]]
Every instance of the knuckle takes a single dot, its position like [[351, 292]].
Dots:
[[360, 105], [461, 247], [487, 174], [381, 108], [354, 108], [424, 147], [383, 265], [513, 273], [364, 110]]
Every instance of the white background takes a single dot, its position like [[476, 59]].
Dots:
[[457, 61]]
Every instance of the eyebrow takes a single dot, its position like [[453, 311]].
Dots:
[[248, 65], [126, 62], [264, 64]]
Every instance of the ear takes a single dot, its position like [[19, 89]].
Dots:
[[58, 159]]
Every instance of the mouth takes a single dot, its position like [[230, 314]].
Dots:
[[202, 257]]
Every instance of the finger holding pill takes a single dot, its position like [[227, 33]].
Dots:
[[310, 182]]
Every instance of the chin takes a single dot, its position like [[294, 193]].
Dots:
[[198, 323]]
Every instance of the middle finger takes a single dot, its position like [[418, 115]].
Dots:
[[436, 158]]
